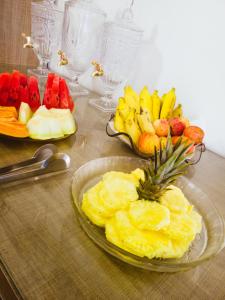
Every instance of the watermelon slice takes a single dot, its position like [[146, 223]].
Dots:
[[14, 90], [47, 93], [64, 96], [50, 80], [57, 94], [5, 79], [24, 94], [23, 79], [34, 95]]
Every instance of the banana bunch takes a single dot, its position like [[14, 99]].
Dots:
[[136, 113]]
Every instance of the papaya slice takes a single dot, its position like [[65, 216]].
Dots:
[[8, 119], [15, 129], [8, 111]]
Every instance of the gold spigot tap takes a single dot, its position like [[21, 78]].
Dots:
[[28, 43], [63, 60]]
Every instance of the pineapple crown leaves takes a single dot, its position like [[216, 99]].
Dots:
[[166, 166]]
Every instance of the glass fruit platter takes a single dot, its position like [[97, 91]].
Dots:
[[206, 245], [24, 116]]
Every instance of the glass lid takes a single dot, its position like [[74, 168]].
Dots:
[[125, 19], [88, 5]]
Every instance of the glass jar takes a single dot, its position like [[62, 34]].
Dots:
[[81, 34], [120, 45], [45, 20]]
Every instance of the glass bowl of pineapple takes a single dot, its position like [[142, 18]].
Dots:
[[210, 231]]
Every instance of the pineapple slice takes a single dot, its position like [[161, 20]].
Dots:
[[112, 234], [93, 207], [182, 226], [179, 248], [175, 200], [95, 217], [148, 215], [140, 242], [117, 191], [113, 193]]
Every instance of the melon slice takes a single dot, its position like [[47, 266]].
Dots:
[[25, 113]]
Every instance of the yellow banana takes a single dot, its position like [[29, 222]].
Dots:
[[118, 122], [121, 102], [131, 98], [156, 105], [131, 127], [123, 108], [168, 104], [144, 121], [177, 112], [146, 101]]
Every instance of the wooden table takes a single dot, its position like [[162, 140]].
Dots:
[[44, 253]]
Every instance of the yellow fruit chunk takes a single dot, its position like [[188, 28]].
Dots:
[[139, 174], [93, 206], [112, 235], [140, 242], [183, 226], [149, 215], [118, 190], [179, 247], [175, 200]]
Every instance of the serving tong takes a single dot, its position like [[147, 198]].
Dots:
[[45, 160]]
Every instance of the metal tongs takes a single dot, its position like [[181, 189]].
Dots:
[[45, 160]]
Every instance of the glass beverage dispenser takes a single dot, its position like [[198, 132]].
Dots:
[[81, 36]]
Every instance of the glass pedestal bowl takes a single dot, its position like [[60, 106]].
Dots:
[[205, 246]]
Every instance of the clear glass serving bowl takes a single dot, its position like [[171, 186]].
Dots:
[[205, 246]]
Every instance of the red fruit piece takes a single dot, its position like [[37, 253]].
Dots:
[[46, 99], [50, 80], [66, 100], [51, 95], [23, 79], [14, 90], [24, 94], [34, 95], [177, 126], [54, 100], [5, 79]]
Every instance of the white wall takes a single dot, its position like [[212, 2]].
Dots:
[[184, 47]]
